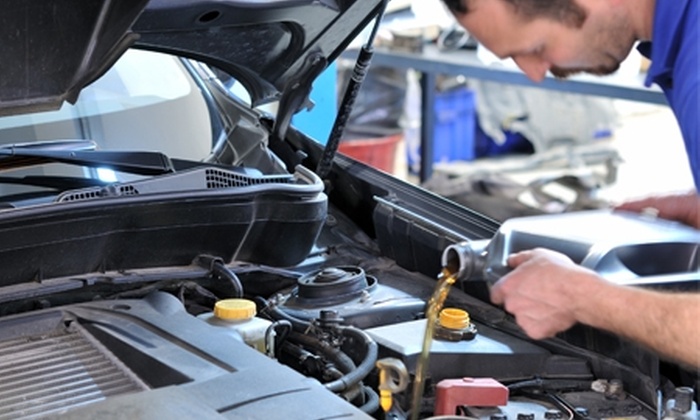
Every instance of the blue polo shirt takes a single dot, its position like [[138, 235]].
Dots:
[[674, 51]]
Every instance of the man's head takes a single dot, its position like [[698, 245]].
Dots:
[[560, 36], [565, 11]]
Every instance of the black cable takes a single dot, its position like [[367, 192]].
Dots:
[[217, 267], [551, 384]]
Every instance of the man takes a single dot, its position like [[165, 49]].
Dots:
[[546, 291]]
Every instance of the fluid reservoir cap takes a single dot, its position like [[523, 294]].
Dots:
[[235, 309], [454, 319]]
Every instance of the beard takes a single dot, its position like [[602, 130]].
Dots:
[[612, 49], [563, 73]]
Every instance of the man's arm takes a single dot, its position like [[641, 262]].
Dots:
[[665, 322], [548, 293], [681, 207]]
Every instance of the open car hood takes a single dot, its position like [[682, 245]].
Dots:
[[52, 49]]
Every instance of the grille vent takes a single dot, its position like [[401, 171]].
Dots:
[[119, 190], [222, 179], [46, 374], [81, 195], [198, 179], [128, 190]]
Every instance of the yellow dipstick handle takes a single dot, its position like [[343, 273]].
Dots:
[[385, 398], [393, 378]]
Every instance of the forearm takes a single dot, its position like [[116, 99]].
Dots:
[[681, 207], [667, 323]]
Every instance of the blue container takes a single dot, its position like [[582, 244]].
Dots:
[[515, 143], [454, 129], [455, 126]]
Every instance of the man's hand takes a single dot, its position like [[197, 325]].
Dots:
[[684, 208], [542, 290]]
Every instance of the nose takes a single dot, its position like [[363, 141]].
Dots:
[[534, 67]]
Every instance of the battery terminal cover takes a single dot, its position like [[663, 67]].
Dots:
[[454, 324], [481, 392]]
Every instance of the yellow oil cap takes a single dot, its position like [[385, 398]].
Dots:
[[234, 309], [454, 319]]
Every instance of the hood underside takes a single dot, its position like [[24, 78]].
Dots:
[[52, 49]]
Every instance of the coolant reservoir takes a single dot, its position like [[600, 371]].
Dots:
[[238, 316]]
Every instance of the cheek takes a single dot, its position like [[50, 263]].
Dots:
[[567, 56], [567, 47]]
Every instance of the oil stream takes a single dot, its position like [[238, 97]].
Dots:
[[445, 280]]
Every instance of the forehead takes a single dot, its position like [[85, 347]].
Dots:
[[494, 23], [497, 26]]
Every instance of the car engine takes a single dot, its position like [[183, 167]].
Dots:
[[269, 277], [136, 344]]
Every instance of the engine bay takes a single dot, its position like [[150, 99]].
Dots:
[[134, 342], [171, 250]]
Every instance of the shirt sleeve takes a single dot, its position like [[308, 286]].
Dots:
[[686, 96]]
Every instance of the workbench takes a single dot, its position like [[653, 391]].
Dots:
[[431, 62]]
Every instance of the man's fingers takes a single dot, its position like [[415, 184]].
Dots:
[[498, 290], [518, 258], [497, 295]]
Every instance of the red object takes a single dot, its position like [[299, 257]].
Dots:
[[481, 392], [379, 153]]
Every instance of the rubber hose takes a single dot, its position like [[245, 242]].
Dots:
[[277, 314], [336, 356], [352, 393], [344, 364], [353, 374], [364, 368], [279, 337], [371, 405], [220, 270]]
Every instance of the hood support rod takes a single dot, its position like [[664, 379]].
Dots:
[[358, 75]]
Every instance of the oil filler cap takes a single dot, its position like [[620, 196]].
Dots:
[[234, 309], [453, 324], [453, 318]]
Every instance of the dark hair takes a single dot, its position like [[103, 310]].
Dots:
[[456, 6], [566, 11]]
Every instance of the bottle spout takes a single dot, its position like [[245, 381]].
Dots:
[[467, 259]]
